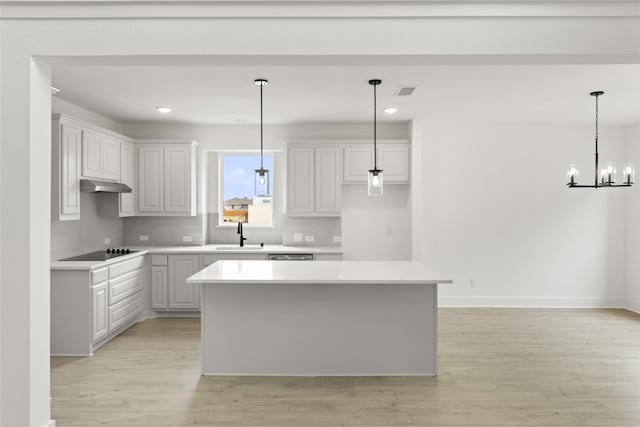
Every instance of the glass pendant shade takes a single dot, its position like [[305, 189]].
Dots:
[[376, 181], [262, 182], [572, 174], [629, 173]]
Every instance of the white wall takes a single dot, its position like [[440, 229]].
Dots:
[[496, 209], [632, 211]]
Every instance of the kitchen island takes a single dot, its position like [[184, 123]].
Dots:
[[318, 318]]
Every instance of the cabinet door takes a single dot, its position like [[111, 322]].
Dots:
[[159, 290], [300, 180], [127, 170], [111, 159], [69, 179], [99, 325], [357, 162], [177, 179], [150, 179], [91, 154], [328, 180], [183, 295], [394, 159]]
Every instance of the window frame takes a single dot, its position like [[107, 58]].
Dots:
[[221, 155]]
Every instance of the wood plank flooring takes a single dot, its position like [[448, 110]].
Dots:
[[498, 367]]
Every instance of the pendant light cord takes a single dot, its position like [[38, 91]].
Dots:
[[596, 154], [261, 165], [375, 127]]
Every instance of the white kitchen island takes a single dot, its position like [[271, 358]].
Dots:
[[318, 318]]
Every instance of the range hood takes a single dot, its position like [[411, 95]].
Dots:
[[97, 186]]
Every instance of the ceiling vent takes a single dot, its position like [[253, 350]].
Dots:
[[405, 91]]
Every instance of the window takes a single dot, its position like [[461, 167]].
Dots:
[[243, 199]]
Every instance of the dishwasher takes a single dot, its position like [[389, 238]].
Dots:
[[290, 257]]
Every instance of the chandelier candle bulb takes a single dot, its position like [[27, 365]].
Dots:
[[629, 173], [572, 174], [611, 172]]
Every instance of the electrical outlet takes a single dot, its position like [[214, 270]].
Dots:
[[472, 283], [107, 240], [337, 239], [187, 238], [309, 238], [297, 237], [143, 238]]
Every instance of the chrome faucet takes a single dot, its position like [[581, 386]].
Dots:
[[242, 238]]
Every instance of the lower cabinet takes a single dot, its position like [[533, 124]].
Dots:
[[90, 307], [99, 325], [169, 289]]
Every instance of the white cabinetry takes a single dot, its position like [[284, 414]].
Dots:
[[99, 326], [83, 150], [169, 290], [183, 295], [167, 179], [66, 138], [314, 180], [100, 156], [127, 176], [393, 158], [90, 307]]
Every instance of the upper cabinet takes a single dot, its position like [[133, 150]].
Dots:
[[167, 178], [84, 150], [314, 180], [393, 159], [127, 176], [66, 155], [100, 156]]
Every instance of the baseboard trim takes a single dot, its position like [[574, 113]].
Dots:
[[50, 423], [533, 302], [632, 305], [178, 314]]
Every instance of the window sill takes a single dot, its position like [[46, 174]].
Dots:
[[235, 225]]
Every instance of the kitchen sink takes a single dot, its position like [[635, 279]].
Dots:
[[238, 248]]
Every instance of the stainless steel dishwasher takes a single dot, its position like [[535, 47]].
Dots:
[[290, 257]]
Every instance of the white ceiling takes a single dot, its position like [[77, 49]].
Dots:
[[317, 92]]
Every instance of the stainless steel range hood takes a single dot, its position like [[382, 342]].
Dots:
[[97, 186]]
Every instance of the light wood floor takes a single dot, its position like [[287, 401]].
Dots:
[[498, 367]]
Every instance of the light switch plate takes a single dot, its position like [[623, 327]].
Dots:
[[107, 240], [143, 237], [337, 239], [187, 238], [309, 238], [297, 237]]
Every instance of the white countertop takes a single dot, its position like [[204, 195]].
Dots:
[[204, 249], [318, 272]]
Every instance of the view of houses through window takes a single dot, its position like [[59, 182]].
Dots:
[[244, 199]]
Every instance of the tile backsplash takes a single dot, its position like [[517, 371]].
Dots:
[[165, 230]]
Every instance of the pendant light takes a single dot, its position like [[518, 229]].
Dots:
[[375, 180], [262, 174], [608, 174]]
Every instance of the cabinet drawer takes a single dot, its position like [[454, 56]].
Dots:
[[125, 267], [158, 260], [100, 275], [125, 285], [125, 311]]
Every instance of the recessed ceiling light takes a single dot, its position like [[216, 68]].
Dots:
[[163, 110], [54, 90], [391, 110]]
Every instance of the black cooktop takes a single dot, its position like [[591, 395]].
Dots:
[[100, 255]]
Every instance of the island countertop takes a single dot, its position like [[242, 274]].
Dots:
[[318, 272]]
